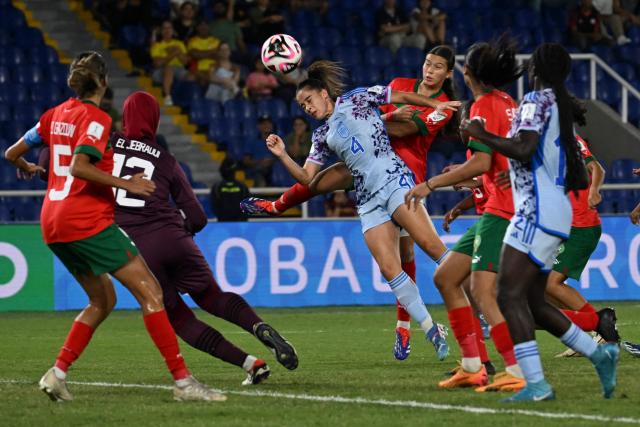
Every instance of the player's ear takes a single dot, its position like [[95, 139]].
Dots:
[[324, 94]]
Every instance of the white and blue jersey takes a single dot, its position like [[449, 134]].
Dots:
[[356, 134], [539, 185]]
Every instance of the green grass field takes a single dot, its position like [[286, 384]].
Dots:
[[347, 376]]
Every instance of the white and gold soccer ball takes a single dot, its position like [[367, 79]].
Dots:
[[281, 53]]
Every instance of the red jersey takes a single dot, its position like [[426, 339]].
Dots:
[[583, 215], [73, 208], [479, 195], [413, 149], [496, 109]]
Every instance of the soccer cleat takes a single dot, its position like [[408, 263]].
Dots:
[[631, 348], [607, 328], [402, 347], [193, 390], [491, 370], [255, 206], [437, 335], [54, 387], [605, 360], [465, 379], [486, 329], [533, 392], [503, 381], [258, 373], [283, 350], [569, 352]]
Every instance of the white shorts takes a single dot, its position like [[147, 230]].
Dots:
[[384, 202], [526, 237]]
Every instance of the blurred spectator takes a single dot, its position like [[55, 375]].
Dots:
[[318, 6], [288, 83], [298, 142], [185, 23], [584, 25], [611, 20], [266, 20], [224, 29], [258, 160], [169, 58], [339, 204], [428, 25], [392, 25], [224, 76], [106, 105], [227, 194], [260, 82], [203, 48], [629, 10], [177, 4]]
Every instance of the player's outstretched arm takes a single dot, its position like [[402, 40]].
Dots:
[[521, 147], [462, 205], [398, 97], [304, 175]]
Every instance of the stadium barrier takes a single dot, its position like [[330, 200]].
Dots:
[[293, 264]]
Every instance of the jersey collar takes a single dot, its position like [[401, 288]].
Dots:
[[416, 87]]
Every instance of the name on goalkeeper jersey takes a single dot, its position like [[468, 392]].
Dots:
[[138, 146], [62, 129]]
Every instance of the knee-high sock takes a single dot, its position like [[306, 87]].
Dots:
[[461, 321], [294, 196], [228, 306], [502, 340], [77, 339], [410, 269], [409, 296], [586, 318], [164, 338], [482, 347], [579, 341], [529, 360]]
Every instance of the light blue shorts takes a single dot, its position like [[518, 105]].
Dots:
[[384, 202], [541, 247]]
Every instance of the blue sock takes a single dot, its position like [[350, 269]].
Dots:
[[409, 296], [579, 341], [529, 360], [442, 257]]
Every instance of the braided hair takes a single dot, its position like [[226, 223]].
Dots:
[[552, 64], [494, 63]]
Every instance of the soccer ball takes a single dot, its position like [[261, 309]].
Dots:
[[281, 53]]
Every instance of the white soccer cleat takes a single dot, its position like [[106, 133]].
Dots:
[[54, 387], [196, 391]]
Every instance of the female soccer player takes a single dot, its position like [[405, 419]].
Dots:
[[162, 227], [354, 131], [488, 66], [78, 226], [545, 164], [412, 131]]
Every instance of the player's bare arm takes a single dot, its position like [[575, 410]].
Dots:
[[597, 172], [81, 167], [304, 175], [521, 147], [14, 154]]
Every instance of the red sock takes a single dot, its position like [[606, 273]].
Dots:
[[502, 340], [294, 196], [587, 321], [164, 338], [587, 308], [482, 347], [461, 321], [410, 269], [77, 339]]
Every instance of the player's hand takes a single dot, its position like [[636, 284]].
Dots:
[[635, 215], [402, 114], [636, 172], [449, 217], [30, 171], [414, 196], [275, 144], [473, 127], [467, 184], [594, 198], [448, 105], [139, 184], [449, 168], [503, 180]]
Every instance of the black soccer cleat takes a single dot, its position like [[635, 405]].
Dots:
[[285, 353], [607, 328], [491, 370]]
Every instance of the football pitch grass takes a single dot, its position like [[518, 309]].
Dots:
[[347, 376]]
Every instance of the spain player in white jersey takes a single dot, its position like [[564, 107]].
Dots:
[[545, 164], [355, 133]]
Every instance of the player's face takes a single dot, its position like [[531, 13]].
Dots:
[[434, 70], [314, 102]]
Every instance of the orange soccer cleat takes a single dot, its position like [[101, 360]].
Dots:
[[504, 381], [462, 378]]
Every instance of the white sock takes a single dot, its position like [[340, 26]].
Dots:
[[59, 373], [514, 370], [403, 324], [427, 323], [248, 362], [273, 206], [183, 382], [471, 364]]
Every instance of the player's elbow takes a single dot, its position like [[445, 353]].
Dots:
[[9, 155]]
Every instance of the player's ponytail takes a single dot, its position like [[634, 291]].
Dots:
[[448, 87], [494, 64], [552, 65], [326, 75], [87, 73]]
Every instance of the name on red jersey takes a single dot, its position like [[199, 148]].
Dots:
[[63, 129]]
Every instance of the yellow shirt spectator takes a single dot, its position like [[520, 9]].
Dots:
[[204, 44], [160, 50]]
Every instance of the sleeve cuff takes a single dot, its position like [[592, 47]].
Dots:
[[589, 159], [476, 145], [89, 151], [32, 138], [422, 127]]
